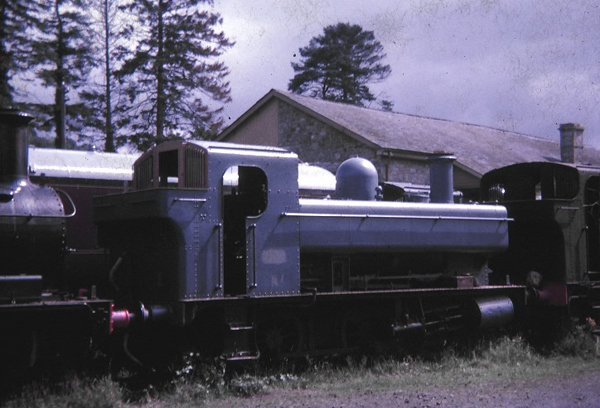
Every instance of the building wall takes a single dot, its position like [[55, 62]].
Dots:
[[317, 143], [314, 141], [404, 170], [279, 124], [258, 129]]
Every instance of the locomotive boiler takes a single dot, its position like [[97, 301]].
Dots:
[[39, 320], [32, 217], [253, 268]]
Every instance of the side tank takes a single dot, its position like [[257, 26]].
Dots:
[[354, 221], [32, 217]]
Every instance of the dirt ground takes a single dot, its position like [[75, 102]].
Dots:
[[581, 391]]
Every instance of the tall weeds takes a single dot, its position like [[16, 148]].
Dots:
[[199, 382], [70, 393]]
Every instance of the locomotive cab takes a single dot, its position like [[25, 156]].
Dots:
[[224, 239], [555, 235]]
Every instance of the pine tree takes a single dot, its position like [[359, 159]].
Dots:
[[339, 64], [102, 96], [61, 54], [174, 80], [15, 18]]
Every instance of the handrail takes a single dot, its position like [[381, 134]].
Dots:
[[393, 216], [219, 228], [190, 200], [253, 227], [31, 215], [70, 202]]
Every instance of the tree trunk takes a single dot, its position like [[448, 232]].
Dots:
[[160, 79], [109, 144], [59, 95]]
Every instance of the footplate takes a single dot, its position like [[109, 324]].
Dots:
[[240, 342]]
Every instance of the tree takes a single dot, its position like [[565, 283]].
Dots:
[[339, 64], [173, 70], [15, 19], [102, 95], [61, 54]]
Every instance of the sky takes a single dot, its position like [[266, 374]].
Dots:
[[523, 66]]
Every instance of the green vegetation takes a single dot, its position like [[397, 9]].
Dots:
[[124, 72], [339, 65], [73, 392], [202, 384]]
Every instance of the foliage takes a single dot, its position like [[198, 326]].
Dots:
[[61, 48], [579, 341], [199, 381], [505, 350], [61, 54], [173, 71], [339, 64], [72, 392], [169, 83], [102, 95], [16, 17], [42, 127]]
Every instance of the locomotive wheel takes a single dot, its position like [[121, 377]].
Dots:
[[280, 337], [18, 353], [356, 332], [361, 330]]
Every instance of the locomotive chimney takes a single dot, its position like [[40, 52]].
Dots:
[[441, 177], [571, 142], [14, 135]]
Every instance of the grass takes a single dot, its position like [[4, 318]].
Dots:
[[196, 385], [70, 393]]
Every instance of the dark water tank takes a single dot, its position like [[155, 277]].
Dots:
[[356, 179]]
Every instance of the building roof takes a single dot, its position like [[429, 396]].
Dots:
[[81, 164], [479, 149]]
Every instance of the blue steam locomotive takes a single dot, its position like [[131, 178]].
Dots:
[[253, 268]]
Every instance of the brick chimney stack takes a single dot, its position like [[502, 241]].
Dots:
[[571, 142]]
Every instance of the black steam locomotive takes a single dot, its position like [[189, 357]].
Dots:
[[217, 249], [37, 316], [555, 236]]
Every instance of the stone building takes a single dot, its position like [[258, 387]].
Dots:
[[326, 133]]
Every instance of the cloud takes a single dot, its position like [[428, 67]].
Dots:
[[521, 66]]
